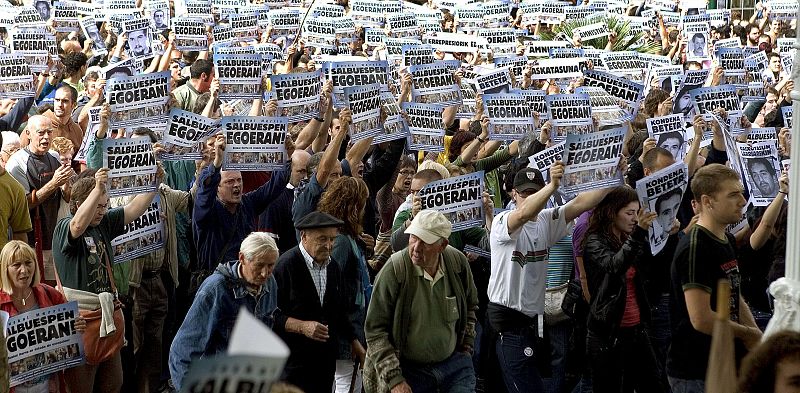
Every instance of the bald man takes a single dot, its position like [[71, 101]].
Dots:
[[277, 219], [45, 181], [60, 116]]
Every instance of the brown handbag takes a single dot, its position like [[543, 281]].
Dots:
[[99, 349]]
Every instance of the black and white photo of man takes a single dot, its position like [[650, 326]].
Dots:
[[672, 141], [667, 207], [698, 47], [764, 177], [43, 6], [160, 19], [139, 43]]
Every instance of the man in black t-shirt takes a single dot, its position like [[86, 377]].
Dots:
[[703, 257]]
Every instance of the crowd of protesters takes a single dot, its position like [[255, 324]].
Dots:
[[336, 255]]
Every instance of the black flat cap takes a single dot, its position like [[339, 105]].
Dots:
[[318, 220]]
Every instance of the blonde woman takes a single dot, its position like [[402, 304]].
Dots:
[[21, 292]]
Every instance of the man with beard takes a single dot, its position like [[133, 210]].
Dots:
[[139, 42]]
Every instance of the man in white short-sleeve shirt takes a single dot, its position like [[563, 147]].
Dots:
[[519, 241]]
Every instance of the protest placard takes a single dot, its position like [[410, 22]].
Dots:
[[453, 42], [625, 62], [785, 45], [90, 31], [782, 10], [139, 43], [190, 33], [516, 64], [16, 79], [33, 45], [661, 193], [756, 91], [141, 236], [28, 16], [545, 69], [761, 169], [328, 11], [43, 341], [706, 99], [545, 158], [592, 31], [89, 135], [254, 143], [468, 95], [416, 54], [402, 23], [534, 49], [669, 134], [394, 127], [787, 112], [683, 104], [459, 198], [470, 16], [698, 37], [367, 10], [65, 16], [374, 36], [365, 104], [284, 21], [580, 12], [298, 94], [619, 87], [186, 132], [239, 76], [132, 164], [501, 40], [510, 117], [244, 25], [605, 107], [137, 99], [763, 134], [569, 113], [787, 62], [591, 160], [493, 81], [199, 9], [354, 73], [731, 60], [426, 126], [434, 84]]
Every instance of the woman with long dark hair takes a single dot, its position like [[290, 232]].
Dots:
[[345, 199], [621, 356]]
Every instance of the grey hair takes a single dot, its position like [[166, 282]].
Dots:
[[256, 244]]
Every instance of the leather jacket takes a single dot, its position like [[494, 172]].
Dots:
[[606, 268]]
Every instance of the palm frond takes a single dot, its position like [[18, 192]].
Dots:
[[625, 39]]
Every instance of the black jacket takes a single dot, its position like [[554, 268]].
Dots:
[[606, 268]]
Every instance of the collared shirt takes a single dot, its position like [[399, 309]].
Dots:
[[436, 277], [319, 273]]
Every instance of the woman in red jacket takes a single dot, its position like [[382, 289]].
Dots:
[[21, 291]]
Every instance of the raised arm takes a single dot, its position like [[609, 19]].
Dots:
[[533, 204], [763, 232], [694, 149], [331, 155], [86, 211]]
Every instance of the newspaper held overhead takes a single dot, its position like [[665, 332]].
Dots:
[[425, 126], [591, 160], [661, 193], [355, 73], [142, 236], [138, 99], [459, 198], [298, 94], [239, 76], [760, 170], [434, 84], [90, 30], [254, 360], [394, 127], [668, 132], [569, 114], [185, 134], [132, 164], [365, 105], [510, 117], [43, 341], [89, 135], [254, 143]]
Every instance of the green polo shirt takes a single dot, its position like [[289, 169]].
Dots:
[[435, 311]]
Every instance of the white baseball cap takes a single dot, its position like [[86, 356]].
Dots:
[[430, 226]]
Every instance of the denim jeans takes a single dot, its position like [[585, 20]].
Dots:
[[516, 353], [661, 332], [687, 385], [559, 347], [452, 375]]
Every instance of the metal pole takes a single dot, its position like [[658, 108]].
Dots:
[[787, 289]]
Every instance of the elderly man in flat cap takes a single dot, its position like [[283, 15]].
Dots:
[[420, 326], [313, 314]]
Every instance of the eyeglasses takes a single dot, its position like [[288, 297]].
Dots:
[[407, 173]]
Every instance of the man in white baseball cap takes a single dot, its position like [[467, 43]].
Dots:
[[422, 315]]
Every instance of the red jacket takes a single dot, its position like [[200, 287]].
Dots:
[[46, 296]]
